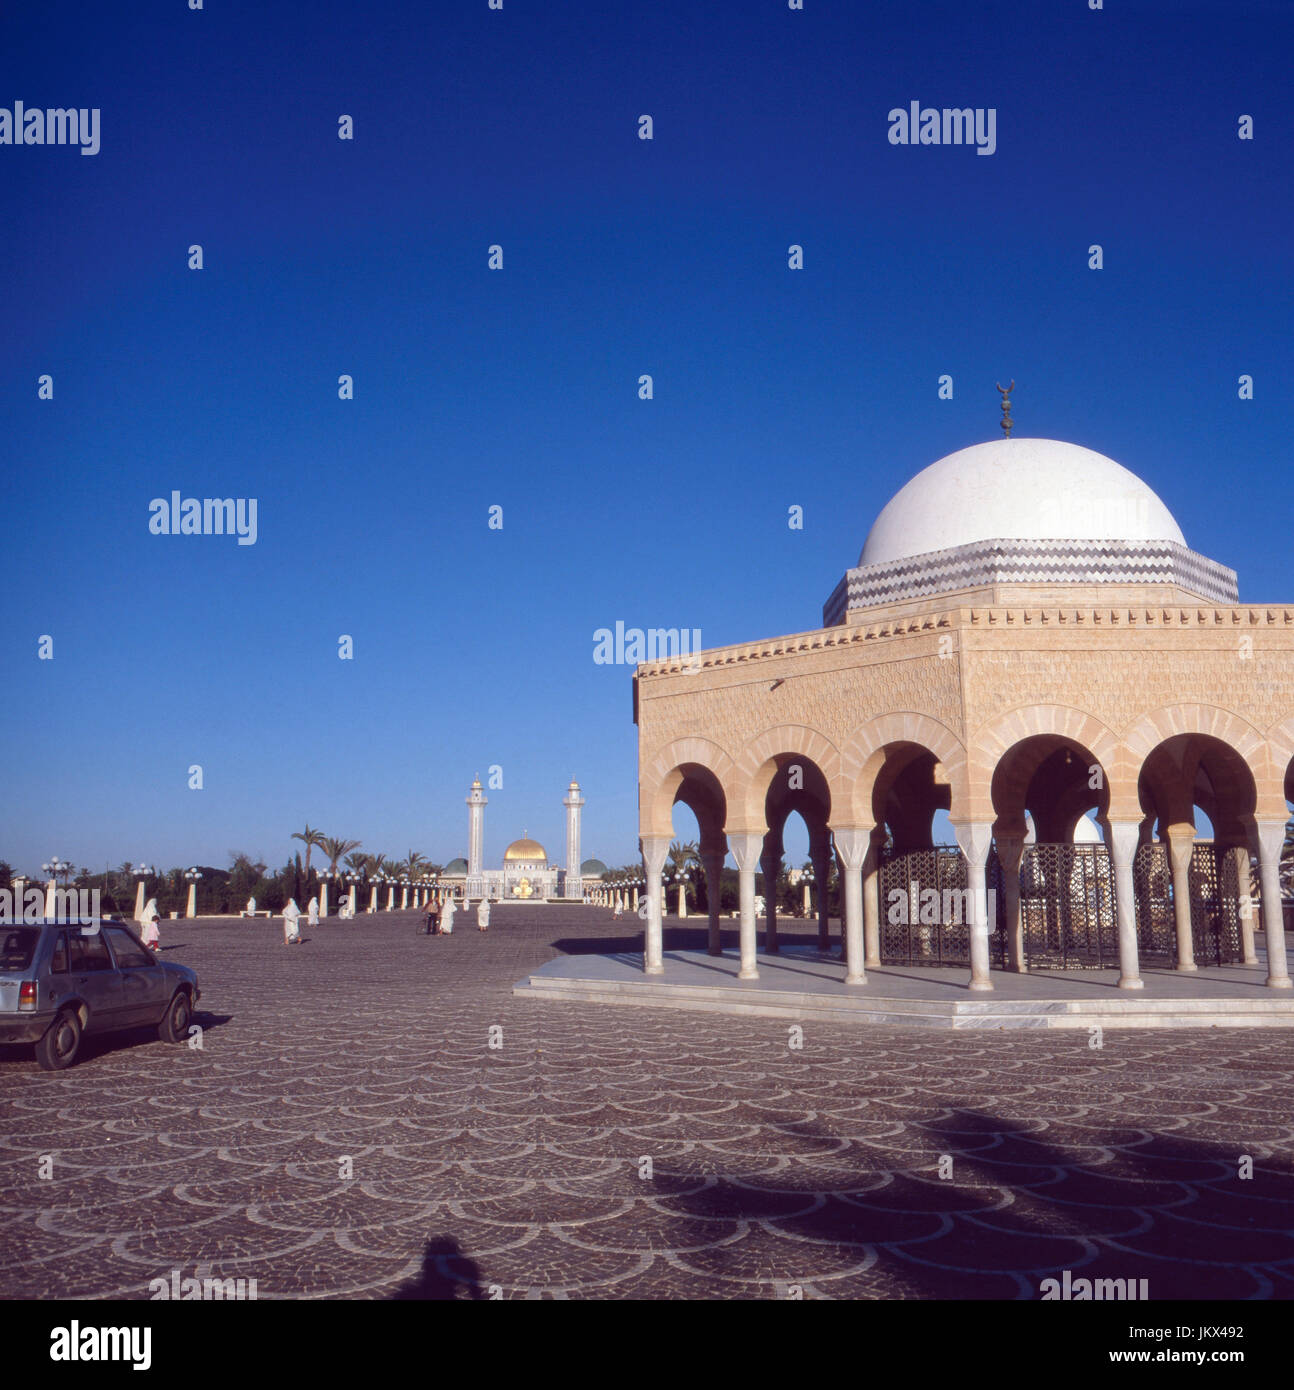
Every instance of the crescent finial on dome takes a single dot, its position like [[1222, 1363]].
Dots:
[[1006, 406]]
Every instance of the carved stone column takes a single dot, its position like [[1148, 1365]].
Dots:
[[1271, 836], [746, 849], [1010, 853], [1181, 840], [852, 844], [1125, 836], [975, 839], [655, 848]]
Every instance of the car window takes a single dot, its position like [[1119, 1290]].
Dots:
[[17, 946], [89, 952], [58, 961], [130, 954]]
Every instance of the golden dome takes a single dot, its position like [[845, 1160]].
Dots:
[[525, 851]]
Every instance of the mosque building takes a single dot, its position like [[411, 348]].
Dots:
[[527, 874], [1028, 643]]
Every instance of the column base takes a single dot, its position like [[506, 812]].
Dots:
[[1279, 982], [980, 985], [653, 969], [856, 979], [1188, 967], [748, 974], [1251, 960], [1133, 982]]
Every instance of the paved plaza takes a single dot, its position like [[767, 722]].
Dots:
[[604, 1152]]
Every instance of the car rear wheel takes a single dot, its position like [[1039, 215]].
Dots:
[[174, 1028], [62, 1041]]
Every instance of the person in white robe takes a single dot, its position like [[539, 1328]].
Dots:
[[483, 914], [447, 917], [314, 912], [291, 916], [148, 926]]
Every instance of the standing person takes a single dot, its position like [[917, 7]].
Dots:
[[483, 915], [148, 926], [291, 915], [447, 917], [433, 918]]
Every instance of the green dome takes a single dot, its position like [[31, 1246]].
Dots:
[[592, 868], [456, 868]]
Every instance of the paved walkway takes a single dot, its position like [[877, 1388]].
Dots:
[[613, 1153], [801, 968]]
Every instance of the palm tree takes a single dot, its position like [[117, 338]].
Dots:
[[414, 866], [311, 839], [357, 863], [334, 849], [375, 865], [682, 856]]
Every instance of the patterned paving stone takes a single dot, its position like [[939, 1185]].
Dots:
[[347, 1129]]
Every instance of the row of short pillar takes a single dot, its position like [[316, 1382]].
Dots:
[[858, 849]]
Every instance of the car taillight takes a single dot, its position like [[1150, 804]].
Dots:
[[27, 995]]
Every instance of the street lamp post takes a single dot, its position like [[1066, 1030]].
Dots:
[[325, 879], [193, 876], [142, 872], [807, 879], [53, 870]]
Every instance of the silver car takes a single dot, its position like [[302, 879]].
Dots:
[[60, 983]]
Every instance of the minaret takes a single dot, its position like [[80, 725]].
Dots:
[[573, 801], [476, 801]]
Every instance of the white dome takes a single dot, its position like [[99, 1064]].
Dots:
[[1017, 489]]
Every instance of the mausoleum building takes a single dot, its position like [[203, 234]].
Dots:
[[1028, 643]]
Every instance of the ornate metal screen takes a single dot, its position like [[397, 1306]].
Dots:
[[1067, 907], [924, 908], [1152, 882], [1215, 910], [1214, 882]]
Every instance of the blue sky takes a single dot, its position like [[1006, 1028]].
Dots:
[[473, 648]]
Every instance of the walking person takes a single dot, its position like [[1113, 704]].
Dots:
[[447, 917], [433, 918], [291, 916], [148, 927], [483, 915]]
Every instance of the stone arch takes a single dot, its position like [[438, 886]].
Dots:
[[1156, 728], [864, 756], [694, 766], [1280, 753], [762, 757], [1009, 750]]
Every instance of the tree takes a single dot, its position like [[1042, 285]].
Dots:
[[311, 839], [682, 855], [414, 866], [357, 864], [335, 849]]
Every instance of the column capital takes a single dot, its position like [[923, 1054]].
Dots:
[[852, 843], [1125, 836], [655, 850], [974, 839], [1271, 836], [746, 846], [1181, 841]]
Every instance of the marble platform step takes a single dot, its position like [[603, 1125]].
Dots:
[[1128, 1010]]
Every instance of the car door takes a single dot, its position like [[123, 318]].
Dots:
[[97, 980], [142, 976]]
